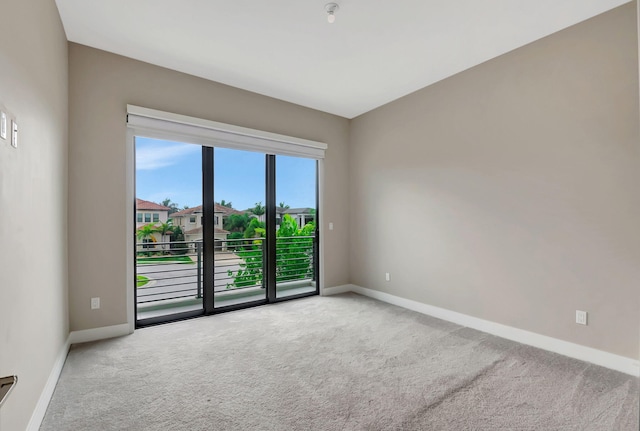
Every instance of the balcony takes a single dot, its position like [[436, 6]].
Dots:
[[170, 274]]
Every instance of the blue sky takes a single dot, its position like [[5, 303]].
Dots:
[[173, 170]]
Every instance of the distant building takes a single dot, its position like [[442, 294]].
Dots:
[[151, 213], [302, 216], [190, 221]]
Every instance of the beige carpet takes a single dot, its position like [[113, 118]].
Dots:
[[332, 363]]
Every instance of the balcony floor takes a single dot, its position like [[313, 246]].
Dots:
[[222, 299]]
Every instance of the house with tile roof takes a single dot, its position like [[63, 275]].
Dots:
[[190, 221], [148, 212], [302, 216]]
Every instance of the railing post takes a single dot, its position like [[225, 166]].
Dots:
[[199, 269], [314, 257], [263, 249]]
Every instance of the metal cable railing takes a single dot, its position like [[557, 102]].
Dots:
[[174, 270]]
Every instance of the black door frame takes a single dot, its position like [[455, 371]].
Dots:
[[208, 230]]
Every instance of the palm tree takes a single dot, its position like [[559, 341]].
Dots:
[[146, 233], [225, 204], [173, 207], [165, 229], [282, 205], [258, 209]]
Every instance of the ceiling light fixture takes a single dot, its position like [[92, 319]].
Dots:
[[331, 9]]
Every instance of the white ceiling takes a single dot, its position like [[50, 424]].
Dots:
[[375, 52]]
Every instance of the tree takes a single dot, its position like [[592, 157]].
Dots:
[[294, 254], [250, 272], [258, 209], [145, 234], [294, 250], [173, 207], [282, 205], [235, 241], [255, 229], [178, 245], [226, 204], [236, 222], [165, 229]]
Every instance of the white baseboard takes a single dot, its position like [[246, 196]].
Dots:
[[74, 337], [43, 402], [572, 350], [326, 291], [576, 351], [103, 333]]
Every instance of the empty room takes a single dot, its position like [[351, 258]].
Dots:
[[349, 215]]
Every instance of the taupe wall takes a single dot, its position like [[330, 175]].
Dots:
[[101, 85], [638, 31], [33, 202], [514, 188]]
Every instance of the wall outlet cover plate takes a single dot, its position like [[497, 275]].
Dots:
[[3, 125]]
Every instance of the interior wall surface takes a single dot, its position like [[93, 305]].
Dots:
[[509, 192], [101, 86], [33, 202]]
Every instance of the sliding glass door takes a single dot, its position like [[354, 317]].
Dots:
[[239, 227], [168, 222], [296, 227], [220, 229]]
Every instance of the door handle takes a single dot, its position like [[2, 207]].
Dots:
[[6, 384]]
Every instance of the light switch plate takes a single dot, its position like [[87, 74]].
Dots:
[[3, 125], [14, 134]]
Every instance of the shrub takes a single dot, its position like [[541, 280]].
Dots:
[[294, 255], [178, 246]]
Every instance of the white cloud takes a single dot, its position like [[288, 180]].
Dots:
[[149, 157]]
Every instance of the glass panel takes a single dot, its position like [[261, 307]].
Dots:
[[168, 252], [239, 193], [295, 226]]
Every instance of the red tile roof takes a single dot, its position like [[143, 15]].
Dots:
[[226, 210], [218, 209], [150, 206], [198, 230], [188, 211]]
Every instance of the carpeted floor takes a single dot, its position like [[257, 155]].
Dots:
[[344, 362]]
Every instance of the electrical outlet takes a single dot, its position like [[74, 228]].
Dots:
[[581, 317], [387, 276], [95, 303]]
